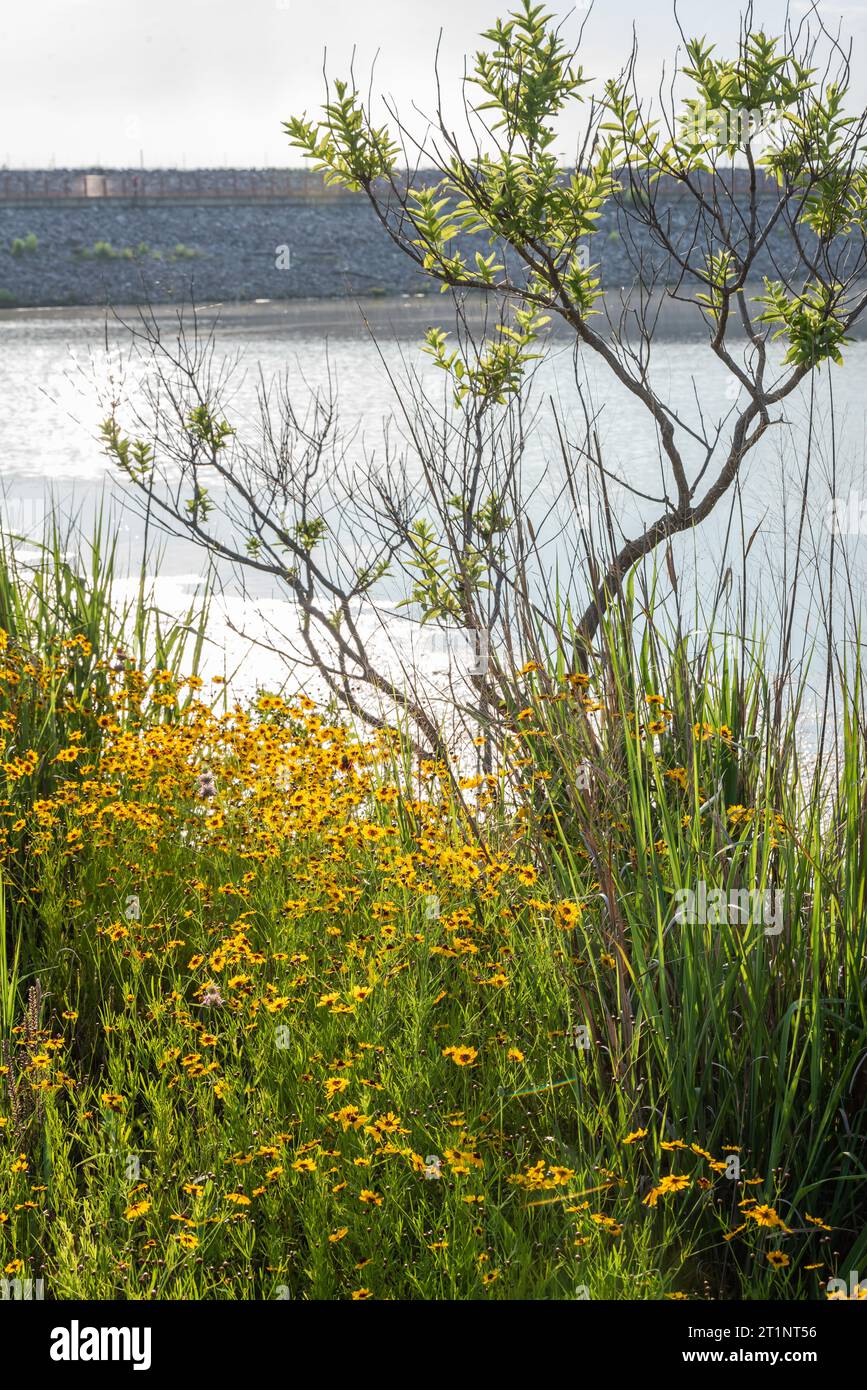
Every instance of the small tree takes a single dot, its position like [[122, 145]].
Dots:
[[762, 142], [744, 198]]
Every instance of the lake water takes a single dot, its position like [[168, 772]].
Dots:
[[54, 364]]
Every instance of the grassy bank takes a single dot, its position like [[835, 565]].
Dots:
[[287, 1015]]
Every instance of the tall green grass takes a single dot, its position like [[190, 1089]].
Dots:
[[65, 586], [72, 622], [722, 1033]]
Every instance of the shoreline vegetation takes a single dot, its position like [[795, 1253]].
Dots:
[[287, 1013], [294, 1004]]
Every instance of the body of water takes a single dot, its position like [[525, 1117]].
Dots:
[[56, 365]]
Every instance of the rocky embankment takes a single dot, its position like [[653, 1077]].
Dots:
[[240, 244]]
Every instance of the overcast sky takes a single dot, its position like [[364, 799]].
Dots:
[[208, 82]]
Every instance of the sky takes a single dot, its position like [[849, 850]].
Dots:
[[203, 83]]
